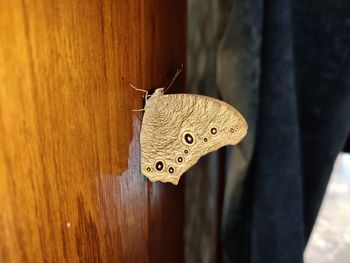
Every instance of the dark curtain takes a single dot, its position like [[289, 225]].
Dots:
[[286, 66]]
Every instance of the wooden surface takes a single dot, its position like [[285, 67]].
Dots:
[[70, 186]]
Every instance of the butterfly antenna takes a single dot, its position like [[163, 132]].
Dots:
[[178, 71]]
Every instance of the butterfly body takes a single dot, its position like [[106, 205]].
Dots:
[[178, 129]]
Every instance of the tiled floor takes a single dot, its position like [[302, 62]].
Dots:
[[330, 240]]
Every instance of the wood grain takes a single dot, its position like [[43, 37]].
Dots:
[[70, 185]]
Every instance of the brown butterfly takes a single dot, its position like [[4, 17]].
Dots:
[[178, 129]]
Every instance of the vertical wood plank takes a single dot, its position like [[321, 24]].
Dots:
[[168, 49], [70, 184]]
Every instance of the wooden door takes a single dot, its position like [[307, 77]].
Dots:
[[70, 182]]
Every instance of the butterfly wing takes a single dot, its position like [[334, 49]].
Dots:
[[178, 129]]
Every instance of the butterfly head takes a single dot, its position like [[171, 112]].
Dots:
[[156, 93], [159, 91]]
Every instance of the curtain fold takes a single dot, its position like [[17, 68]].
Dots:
[[285, 65]]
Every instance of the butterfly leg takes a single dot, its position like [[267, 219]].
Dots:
[[138, 110], [145, 91], [142, 90]]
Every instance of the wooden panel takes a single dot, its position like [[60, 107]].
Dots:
[[70, 185]]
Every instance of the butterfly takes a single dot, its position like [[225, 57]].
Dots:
[[178, 129]]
